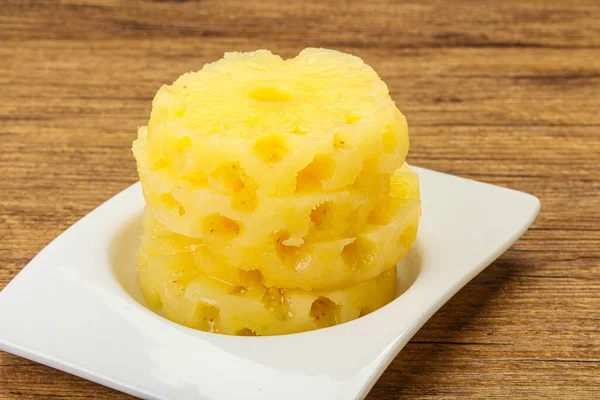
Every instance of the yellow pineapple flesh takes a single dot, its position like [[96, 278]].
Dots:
[[188, 209], [278, 198], [323, 111], [335, 263], [174, 286]]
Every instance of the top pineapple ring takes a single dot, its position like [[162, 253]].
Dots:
[[278, 118]]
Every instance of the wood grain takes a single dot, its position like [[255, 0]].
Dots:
[[504, 92]]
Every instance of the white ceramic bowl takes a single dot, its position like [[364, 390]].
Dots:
[[76, 307]]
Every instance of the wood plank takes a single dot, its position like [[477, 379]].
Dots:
[[107, 82], [376, 23]]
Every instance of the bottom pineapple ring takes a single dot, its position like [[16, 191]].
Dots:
[[174, 287]]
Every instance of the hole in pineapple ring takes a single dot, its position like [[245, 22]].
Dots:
[[269, 93]]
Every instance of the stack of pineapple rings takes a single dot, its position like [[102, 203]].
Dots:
[[278, 199]]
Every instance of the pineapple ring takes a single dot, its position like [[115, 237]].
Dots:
[[289, 124], [190, 209], [174, 287], [336, 263], [322, 265]]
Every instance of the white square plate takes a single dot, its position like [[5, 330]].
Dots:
[[75, 307]]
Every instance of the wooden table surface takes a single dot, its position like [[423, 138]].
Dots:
[[507, 92]]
